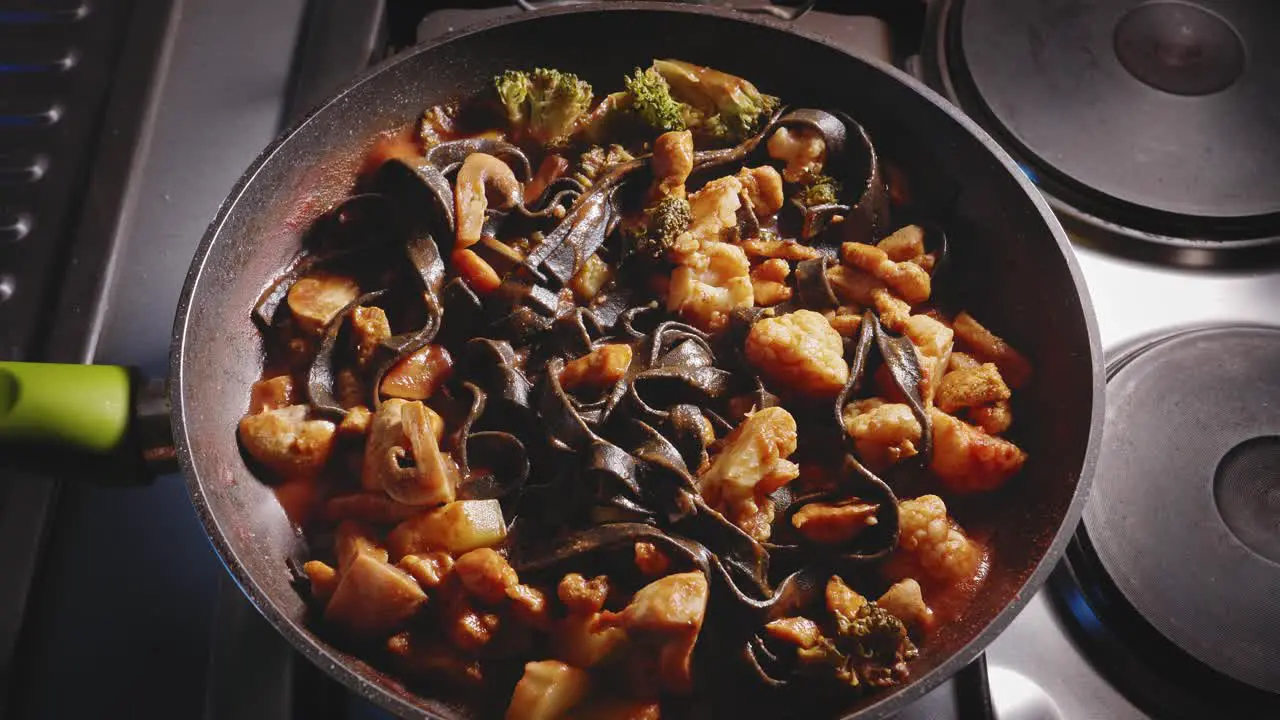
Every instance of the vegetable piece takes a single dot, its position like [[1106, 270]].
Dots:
[[663, 223], [286, 442], [458, 527], [596, 160], [552, 168], [404, 432], [597, 370], [548, 690], [316, 299], [752, 464], [652, 100], [544, 104], [967, 459], [819, 190], [591, 279], [419, 375], [669, 611], [934, 543], [373, 597], [799, 352], [873, 640], [732, 108], [802, 149], [478, 274], [905, 601], [482, 180]]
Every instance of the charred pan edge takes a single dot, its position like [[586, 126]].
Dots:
[[362, 679]]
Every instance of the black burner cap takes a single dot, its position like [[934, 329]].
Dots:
[[1155, 121], [1185, 511]]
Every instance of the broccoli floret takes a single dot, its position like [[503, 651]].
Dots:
[[662, 224], [877, 646], [595, 160], [651, 99], [543, 104], [820, 190], [733, 108]]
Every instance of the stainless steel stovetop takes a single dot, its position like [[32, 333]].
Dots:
[[132, 570]]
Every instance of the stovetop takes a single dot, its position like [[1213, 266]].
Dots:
[[132, 606]]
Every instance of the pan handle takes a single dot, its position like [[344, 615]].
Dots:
[[83, 407], [105, 417]]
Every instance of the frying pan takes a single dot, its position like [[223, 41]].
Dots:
[[1011, 264]]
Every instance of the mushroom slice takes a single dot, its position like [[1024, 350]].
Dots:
[[482, 177], [316, 299], [402, 430], [287, 442]]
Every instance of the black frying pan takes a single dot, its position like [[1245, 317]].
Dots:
[[1012, 262]]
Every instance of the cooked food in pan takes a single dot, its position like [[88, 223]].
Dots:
[[606, 401]]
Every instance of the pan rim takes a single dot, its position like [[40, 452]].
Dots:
[[324, 656]]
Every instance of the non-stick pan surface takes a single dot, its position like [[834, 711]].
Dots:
[[1014, 267]]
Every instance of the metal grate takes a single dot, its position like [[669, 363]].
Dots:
[[56, 60]]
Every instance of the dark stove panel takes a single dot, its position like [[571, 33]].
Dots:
[[57, 60]]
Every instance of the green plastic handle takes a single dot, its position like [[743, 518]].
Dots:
[[86, 407]]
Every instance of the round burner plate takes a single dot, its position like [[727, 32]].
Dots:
[[1185, 508], [1151, 121]]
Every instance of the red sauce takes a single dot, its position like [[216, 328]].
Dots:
[[299, 498]]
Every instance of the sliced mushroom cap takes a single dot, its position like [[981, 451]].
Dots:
[[287, 442], [316, 299], [481, 179], [403, 457]]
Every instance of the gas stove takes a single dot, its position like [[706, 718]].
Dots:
[[1126, 114]]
